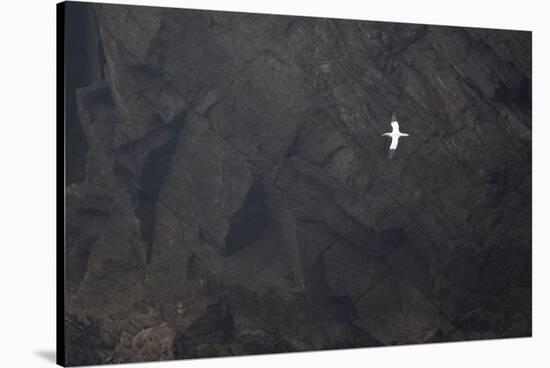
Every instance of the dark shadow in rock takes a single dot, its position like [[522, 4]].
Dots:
[[182, 346], [152, 176], [250, 221], [521, 95], [387, 241], [346, 310], [393, 238], [196, 269]]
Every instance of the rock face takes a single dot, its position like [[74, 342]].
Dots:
[[229, 191]]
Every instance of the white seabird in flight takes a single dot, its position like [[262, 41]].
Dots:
[[395, 134]]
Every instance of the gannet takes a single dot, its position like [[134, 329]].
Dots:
[[395, 134]]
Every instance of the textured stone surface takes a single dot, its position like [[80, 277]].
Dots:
[[228, 190]]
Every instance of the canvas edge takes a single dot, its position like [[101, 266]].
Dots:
[[60, 11]]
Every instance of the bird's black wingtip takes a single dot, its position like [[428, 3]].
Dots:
[[392, 151], [393, 117]]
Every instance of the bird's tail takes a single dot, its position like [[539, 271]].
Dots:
[[392, 151]]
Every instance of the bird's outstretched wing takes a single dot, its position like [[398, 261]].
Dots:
[[395, 127]]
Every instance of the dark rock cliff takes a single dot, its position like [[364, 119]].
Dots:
[[229, 191]]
